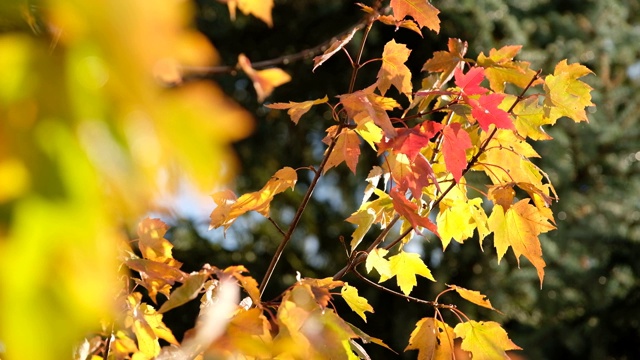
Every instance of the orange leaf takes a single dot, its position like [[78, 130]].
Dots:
[[249, 284], [258, 8], [363, 104], [519, 228], [407, 24], [454, 146], [152, 243], [297, 109], [336, 46], [393, 70], [347, 149], [473, 296], [502, 195], [421, 11], [433, 339], [485, 340], [264, 81]]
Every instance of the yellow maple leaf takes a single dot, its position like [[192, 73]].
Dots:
[[529, 118], [519, 228], [405, 266], [433, 339], [264, 81], [152, 243], [228, 209], [393, 70], [376, 260], [347, 149], [356, 302], [486, 340], [501, 69], [473, 296], [565, 94], [297, 109]]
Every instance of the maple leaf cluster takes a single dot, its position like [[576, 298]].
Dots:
[[461, 120]]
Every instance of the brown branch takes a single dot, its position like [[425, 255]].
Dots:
[[319, 171]]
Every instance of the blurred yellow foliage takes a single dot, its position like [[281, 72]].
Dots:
[[89, 138]]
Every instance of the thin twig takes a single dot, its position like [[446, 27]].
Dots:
[[407, 297]]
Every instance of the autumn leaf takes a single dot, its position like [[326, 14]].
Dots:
[[519, 228], [408, 210], [297, 109], [393, 70], [421, 11], [188, 291], [155, 276], [486, 340], [501, 69], [529, 118], [258, 8], [469, 83], [454, 146], [264, 81], [364, 105], [347, 149], [565, 94], [336, 46], [152, 243], [433, 339], [228, 210], [486, 110], [446, 62], [473, 296], [458, 219], [406, 24], [376, 260], [405, 266], [147, 325], [363, 219], [410, 141], [356, 302], [249, 284], [502, 195]]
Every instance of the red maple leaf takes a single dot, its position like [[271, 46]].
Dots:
[[411, 141], [469, 83], [456, 142], [406, 208], [486, 111]]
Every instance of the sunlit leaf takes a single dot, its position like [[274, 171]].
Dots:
[[454, 146], [405, 266], [485, 340], [393, 70], [347, 149], [433, 339], [356, 302], [376, 260], [501, 69], [473, 296], [519, 228], [565, 94], [421, 11]]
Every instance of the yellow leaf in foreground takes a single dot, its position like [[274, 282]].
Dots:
[[356, 302], [485, 340], [433, 339]]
